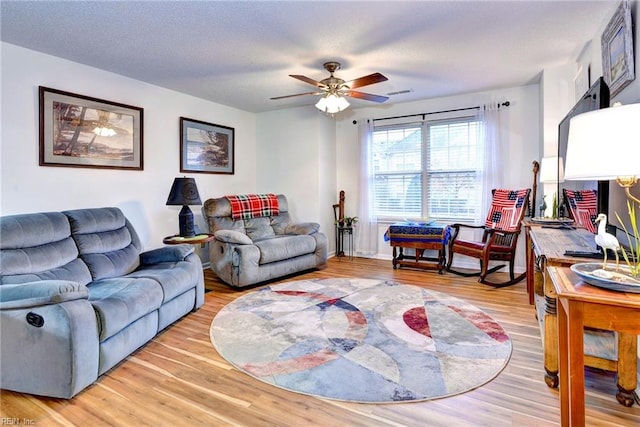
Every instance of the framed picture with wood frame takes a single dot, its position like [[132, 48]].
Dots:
[[206, 147], [617, 50], [82, 131]]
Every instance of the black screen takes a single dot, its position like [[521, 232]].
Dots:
[[595, 98]]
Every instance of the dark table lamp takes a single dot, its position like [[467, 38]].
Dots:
[[184, 192]]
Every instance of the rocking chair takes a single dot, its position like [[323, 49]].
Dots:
[[500, 236]]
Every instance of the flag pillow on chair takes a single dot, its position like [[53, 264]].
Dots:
[[506, 208], [583, 206]]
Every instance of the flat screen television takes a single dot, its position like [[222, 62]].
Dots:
[[595, 98]]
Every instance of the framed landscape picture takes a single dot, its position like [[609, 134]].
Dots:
[[81, 131], [617, 50], [206, 147]]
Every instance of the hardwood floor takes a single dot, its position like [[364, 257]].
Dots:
[[179, 379]]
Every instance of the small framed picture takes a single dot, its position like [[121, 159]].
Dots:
[[617, 50], [81, 131], [206, 147], [582, 82]]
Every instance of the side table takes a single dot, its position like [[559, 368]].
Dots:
[[341, 232], [581, 305], [200, 239], [420, 237]]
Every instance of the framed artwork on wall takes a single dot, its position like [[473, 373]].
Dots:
[[206, 147], [617, 50], [582, 81], [81, 131]]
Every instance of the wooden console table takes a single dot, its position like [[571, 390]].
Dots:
[[419, 237], [582, 305], [546, 247]]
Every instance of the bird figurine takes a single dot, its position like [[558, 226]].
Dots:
[[606, 240]]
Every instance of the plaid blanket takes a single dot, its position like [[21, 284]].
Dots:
[[253, 206]]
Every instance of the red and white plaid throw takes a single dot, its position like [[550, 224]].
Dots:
[[248, 206], [506, 207]]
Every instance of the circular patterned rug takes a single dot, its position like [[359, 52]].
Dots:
[[361, 340]]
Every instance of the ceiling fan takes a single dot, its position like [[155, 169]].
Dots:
[[333, 89]]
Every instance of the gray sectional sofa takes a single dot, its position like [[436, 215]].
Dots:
[[77, 296], [249, 251]]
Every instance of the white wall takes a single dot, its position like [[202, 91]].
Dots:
[[521, 119], [296, 152], [27, 187], [560, 96], [301, 152], [629, 95]]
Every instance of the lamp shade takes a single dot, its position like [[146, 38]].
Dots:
[[184, 192], [551, 170], [332, 104], [604, 144]]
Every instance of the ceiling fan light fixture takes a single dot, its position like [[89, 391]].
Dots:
[[332, 104], [104, 131]]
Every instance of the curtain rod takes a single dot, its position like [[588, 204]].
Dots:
[[504, 104]]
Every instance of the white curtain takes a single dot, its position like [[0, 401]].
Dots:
[[491, 154], [367, 228]]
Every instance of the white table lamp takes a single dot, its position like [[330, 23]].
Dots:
[[549, 170], [605, 145]]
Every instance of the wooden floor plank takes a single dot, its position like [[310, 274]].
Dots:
[[179, 378]]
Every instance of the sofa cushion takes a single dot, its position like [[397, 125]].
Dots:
[[258, 228], [278, 248], [107, 242], [175, 278], [39, 247], [119, 302]]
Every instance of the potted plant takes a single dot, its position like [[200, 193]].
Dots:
[[347, 221], [350, 221]]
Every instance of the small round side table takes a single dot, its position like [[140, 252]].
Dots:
[[200, 239]]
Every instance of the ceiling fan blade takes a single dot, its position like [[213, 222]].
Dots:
[[297, 94], [366, 96], [307, 80], [367, 80]]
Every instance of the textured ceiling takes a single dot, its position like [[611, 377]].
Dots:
[[240, 53]]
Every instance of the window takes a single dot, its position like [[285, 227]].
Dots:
[[429, 170]]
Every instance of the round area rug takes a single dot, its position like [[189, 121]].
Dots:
[[361, 340]]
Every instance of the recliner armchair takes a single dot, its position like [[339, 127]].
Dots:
[[262, 243]]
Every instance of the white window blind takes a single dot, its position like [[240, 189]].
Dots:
[[427, 170]]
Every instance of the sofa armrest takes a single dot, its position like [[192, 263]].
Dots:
[[302, 228], [173, 253], [49, 350], [37, 294], [232, 236]]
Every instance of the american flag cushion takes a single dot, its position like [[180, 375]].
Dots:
[[506, 209], [584, 207], [247, 206]]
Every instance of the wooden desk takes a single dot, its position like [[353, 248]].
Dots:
[[419, 237], [545, 248], [582, 305]]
